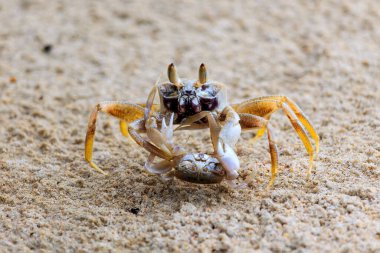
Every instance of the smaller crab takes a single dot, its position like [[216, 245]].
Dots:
[[199, 168]]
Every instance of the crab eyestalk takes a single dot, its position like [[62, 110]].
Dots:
[[172, 75], [202, 74]]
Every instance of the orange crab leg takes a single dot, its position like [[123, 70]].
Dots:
[[263, 106], [258, 135], [125, 111], [124, 128], [124, 124], [249, 121]]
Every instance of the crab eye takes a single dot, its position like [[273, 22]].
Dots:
[[169, 93], [208, 97], [209, 103], [168, 90], [171, 103]]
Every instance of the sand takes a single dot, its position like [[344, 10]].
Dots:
[[59, 58]]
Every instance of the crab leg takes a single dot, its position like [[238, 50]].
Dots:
[[124, 128], [124, 124], [137, 127], [249, 121], [265, 106], [128, 113], [122, 110]]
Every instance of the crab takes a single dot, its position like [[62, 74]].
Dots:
[[200, 104], [199, 168]]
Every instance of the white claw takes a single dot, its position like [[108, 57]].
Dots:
[[229, 160], [230, 133]]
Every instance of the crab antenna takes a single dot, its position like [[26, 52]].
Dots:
[[172, 74], [202, 74]]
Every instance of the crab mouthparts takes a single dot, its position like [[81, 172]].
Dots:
[[189, 104]]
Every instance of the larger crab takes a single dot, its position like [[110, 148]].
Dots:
[[194, 104]]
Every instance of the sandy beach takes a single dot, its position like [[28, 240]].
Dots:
[[58, 59]]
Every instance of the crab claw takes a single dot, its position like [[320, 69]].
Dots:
[[230, 133], [167, 131], [229, 160]]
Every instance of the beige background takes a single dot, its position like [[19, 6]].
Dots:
[[323, 54]]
